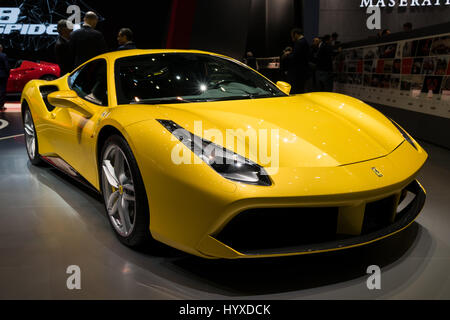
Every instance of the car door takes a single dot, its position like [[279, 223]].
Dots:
[[28, 70], [73, 129], [15, 78]]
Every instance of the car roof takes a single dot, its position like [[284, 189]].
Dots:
[[114, 55], [136, 52]]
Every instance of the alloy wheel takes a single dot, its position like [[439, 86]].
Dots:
[[30, 135], [118, 190]]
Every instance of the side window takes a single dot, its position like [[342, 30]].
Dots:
[[90, 82]]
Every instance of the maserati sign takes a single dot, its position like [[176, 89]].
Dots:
[[403, 3]]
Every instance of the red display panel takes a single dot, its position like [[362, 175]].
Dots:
[[407, 65]]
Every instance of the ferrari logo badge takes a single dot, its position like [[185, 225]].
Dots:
[[378, 173]]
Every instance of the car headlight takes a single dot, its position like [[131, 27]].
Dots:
[[404, 134], [228, 164]]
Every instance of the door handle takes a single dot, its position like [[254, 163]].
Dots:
[[52, 115]]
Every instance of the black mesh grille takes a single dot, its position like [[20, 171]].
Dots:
[[262, 229], [378, 215]]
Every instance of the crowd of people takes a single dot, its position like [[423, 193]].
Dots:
[[309, 67], [407, 27], [72, 48]]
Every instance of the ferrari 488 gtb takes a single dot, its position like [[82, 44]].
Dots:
[[200, 152]]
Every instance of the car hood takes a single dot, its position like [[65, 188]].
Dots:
[[312, 130]]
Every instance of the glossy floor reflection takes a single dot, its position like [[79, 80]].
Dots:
[[48, 222]]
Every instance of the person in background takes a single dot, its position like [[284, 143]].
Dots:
[[407, 27], [4, 75], [284, 64], [86, 42], [315, 46], [125, 39], [334, 39], [250, 60], [298, 71], [62, 49], [385, 32], [325, 65]]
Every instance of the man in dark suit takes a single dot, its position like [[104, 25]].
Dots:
[[125, 39], [86, 42], [4, 75], [325, 65], [334, 39], [62, 49], [298, 71]]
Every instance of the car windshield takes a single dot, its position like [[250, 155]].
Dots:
[[187, 77]]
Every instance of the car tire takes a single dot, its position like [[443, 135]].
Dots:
[[31, 139], [120, 184]]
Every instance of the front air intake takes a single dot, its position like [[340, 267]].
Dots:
[[279, 228], [45, 91]]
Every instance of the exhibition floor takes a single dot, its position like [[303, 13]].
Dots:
[[49, 222]]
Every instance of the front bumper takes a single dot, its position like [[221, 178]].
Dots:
[[401, 220]]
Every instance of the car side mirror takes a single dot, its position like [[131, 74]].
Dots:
[[284, 86], [69, 99]]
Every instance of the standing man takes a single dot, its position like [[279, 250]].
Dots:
[[314, 51], [4, 75], [298, 71], [325, 65], [125, 39], [62, 49], [86, 42], [284, 64], [250, 60], [334, 39], [407, 27]]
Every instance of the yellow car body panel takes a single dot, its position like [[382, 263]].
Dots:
[[329, 145]]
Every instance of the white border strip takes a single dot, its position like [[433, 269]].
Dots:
[[10, 137]]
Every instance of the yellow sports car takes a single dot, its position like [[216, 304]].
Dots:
[[200, 152]]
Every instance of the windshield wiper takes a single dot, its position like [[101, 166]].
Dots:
[[160, 101], [180, 100], [266, 95], [228, 98]]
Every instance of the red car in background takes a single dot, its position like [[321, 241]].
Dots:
[[25, 71]]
